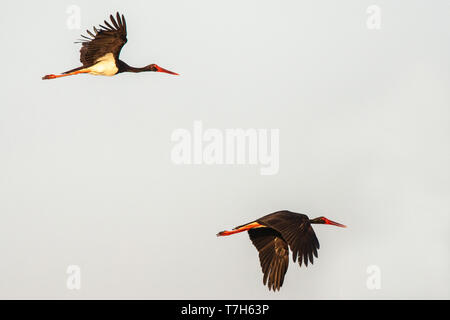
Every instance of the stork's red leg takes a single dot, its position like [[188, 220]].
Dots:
[[240, 229], [54, 76]]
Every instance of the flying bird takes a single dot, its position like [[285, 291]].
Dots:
[[274, 233], [100, 52]]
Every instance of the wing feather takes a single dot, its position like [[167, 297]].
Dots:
[[106, 40], [297, 231], [273, 255]]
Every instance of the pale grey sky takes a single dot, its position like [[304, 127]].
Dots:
[[86, 176]]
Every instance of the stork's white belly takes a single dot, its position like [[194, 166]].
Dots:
[[104, 66]]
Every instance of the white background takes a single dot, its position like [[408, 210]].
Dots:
[[86, 176]]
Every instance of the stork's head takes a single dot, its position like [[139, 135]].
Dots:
[[156, 68], [323, 220]]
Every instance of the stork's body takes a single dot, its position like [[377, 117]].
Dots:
[[274, 234], [100, 53], [105, 66]]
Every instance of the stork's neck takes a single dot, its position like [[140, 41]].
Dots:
[[123, 67]]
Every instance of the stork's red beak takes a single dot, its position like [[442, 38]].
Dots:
[[333, 223], [159, 69]]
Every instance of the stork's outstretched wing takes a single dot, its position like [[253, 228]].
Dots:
[[107, 39], [297, 231], [273, 255]]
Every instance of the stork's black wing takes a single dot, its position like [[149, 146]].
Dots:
[[296, 229], [273, 255], [107, 39]]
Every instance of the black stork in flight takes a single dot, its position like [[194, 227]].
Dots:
[[100, 53], [273, 234]]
